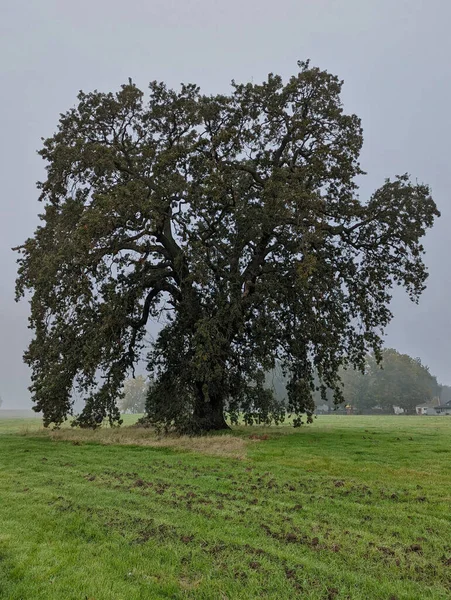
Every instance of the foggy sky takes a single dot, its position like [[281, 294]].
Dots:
[[394, 56]]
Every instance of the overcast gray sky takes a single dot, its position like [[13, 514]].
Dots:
[[394, 56]]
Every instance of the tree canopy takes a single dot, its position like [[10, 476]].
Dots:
[[235, 219]]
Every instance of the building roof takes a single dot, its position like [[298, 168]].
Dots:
[[431, 404]]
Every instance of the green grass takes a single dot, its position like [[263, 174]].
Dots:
[[351, 507]]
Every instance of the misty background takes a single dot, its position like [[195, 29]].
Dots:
[[394, 56]]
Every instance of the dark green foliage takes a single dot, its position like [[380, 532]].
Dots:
[[236, 220]]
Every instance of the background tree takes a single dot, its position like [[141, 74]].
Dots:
[[445, 394], [402, 381], [399, 380], [236, 219], [357, 384], [134, 395]]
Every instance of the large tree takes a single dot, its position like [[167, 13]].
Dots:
[[234, 218]]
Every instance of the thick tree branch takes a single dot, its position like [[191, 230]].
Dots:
[[278, 153], [247, 169]]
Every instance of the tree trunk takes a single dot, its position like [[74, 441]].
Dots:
[[209, 411]]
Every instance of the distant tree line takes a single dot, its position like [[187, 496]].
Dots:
[[402, 381], [399, 380]]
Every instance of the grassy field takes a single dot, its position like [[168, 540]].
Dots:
[[350, 507]]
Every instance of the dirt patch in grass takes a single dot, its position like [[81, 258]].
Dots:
[[226, 445]]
